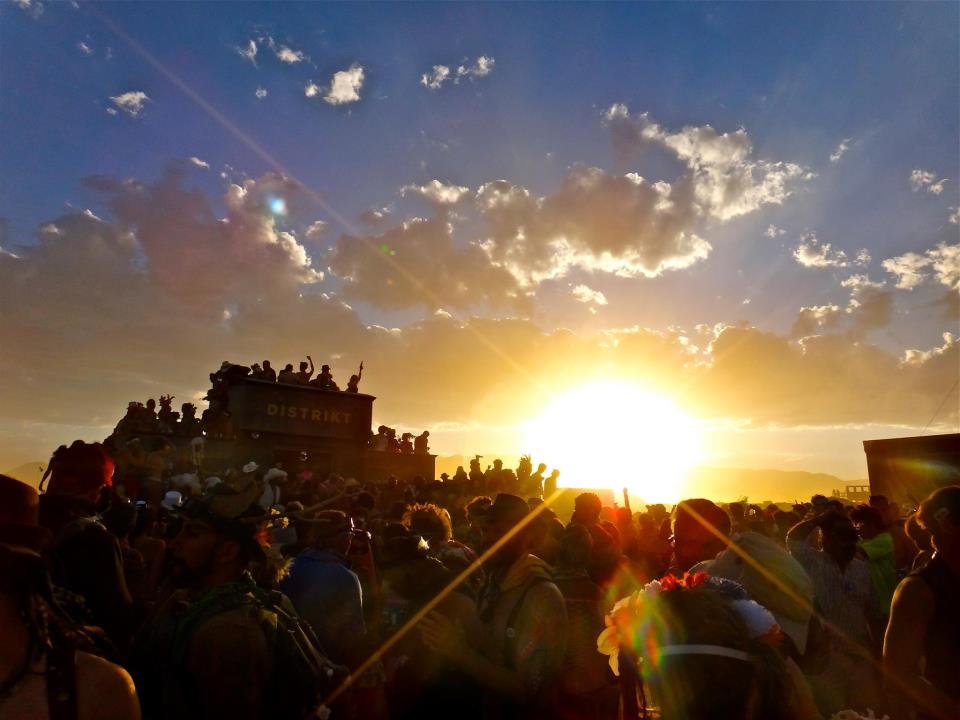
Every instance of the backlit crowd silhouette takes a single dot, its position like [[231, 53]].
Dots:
[[136, 585]]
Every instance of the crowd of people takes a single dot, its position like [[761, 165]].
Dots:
[[268, 592]]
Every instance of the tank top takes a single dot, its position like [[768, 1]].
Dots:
[[942, 643]]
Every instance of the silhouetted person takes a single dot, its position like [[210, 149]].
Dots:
[[287, 376], [48, 667], [519, 655], [921, 650], [844, 594], [303, 377], [700, 532], [550, 484], [420, 444], [268, 372], [83, 556], [353, 385]]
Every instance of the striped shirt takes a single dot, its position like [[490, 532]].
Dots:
[[843, 597]]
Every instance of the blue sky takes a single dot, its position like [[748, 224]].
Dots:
[[800, 80]]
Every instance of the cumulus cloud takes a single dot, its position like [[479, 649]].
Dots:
[[620, 224], [345, 86], [33, 8], [441, 74], [814, 319], [131, 102], [248, 51], [260, 93], [911, 269], [435, 79], [727, 180], [375, 216], [179, 288], [840, 151], [481, 67], [401, 267], [288, 55], [773, 231], [316, 230], [211, 257], [84, 48], [915, 358], [623, 224], [589, 296], [926, 180], [438, 192], [954, 216], [194, 160], [812, 253], [870, 306], [311, 89]]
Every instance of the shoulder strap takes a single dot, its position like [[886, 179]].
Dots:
[[62, 683], [510, 642]]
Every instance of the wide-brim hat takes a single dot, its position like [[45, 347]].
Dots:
[[506, 508]]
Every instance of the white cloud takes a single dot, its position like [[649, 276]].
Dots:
[[345, 86], [111, 111], [588, 295], [434, 79], [482, 67], [840, 151], [773, 231], [441, 74], [437, 192], [289, 55], [909, 268], [248, 51], [84, 48], [812, 253], [946, 264], [132, 102], [315, 230], [727, 180], [912, 269], [33, 8], [863, 257], [199, 163], [918, 358], [311, 89], [814, 319], [954, 216], [260, 93], [926, 179]]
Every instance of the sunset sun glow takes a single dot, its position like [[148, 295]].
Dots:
[[615, 434]]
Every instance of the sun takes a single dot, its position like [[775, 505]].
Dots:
[[616, 434]]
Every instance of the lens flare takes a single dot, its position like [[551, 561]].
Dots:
[[277, 205]]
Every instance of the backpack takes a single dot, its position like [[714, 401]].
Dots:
[[303, 677]]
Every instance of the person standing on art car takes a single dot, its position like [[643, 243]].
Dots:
[[353, 385]]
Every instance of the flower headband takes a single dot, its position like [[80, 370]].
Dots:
[[632, 621]]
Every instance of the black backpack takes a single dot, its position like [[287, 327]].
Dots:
[[303, 677]]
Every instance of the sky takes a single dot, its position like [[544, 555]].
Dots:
[[748, 209]]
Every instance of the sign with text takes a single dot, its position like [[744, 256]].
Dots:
[[258, 406]]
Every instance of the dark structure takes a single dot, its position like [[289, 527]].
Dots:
[[908, 469], [301, 426]]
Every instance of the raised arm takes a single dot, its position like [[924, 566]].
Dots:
[[311, 364]]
